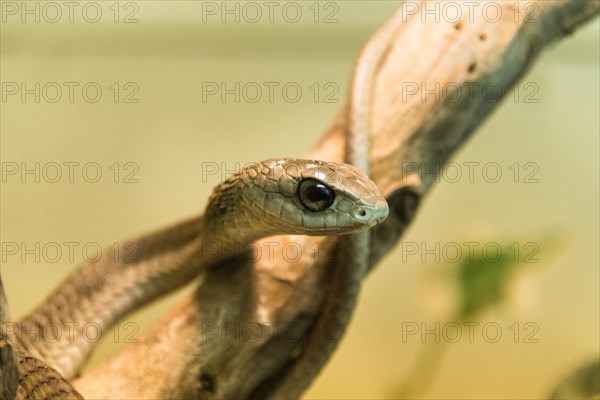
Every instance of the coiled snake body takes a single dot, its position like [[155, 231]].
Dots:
[[283, 196]]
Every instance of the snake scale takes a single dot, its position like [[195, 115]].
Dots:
[[283, 196]]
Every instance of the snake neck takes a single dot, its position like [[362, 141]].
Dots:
[[232, 221]]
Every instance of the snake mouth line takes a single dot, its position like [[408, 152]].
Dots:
[[377, 221], [348, 230]]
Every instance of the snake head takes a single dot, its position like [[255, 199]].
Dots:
[[308, 197]]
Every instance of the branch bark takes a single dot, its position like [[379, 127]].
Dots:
[[194, 352]]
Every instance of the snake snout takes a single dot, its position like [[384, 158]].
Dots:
[[381, 211], [371, 215]]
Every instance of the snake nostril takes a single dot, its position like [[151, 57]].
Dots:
[[360, 213]]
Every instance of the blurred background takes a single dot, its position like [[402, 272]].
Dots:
[[118, 107]]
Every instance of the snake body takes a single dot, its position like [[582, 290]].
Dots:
[[22, 376], [261, 200], [284, 196]]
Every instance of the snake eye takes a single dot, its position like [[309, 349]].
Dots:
[[314, 195]]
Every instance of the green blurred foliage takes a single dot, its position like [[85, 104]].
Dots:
[[482, 282]]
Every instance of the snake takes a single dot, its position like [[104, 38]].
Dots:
[[279, 196], [272, 197]]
